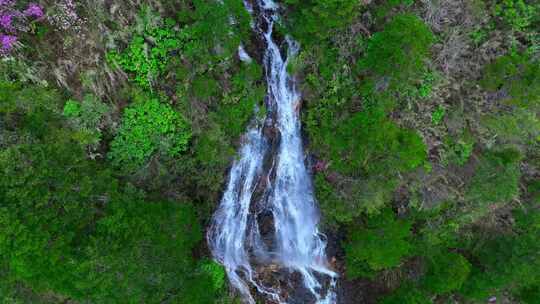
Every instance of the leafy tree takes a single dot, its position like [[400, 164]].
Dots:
[[148, 127], [50, 199], [380, 244]]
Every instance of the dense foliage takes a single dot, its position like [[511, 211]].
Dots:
[[119, 119]]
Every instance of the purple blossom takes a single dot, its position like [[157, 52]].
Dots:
[[7, 42], [34, 10], [6, 21], [6, 3]]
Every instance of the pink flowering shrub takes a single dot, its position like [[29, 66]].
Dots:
[[15, 19]]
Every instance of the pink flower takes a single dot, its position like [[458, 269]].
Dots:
[[34, 10], [7, 42]]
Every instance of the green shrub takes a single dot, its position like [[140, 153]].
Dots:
[[497, 178], [86, 118], [516, 75], [407, 294], [399, 51], [438, 115], [148, 127], [148, 53], [529, 295], [457, 151], [382, 243], [315, 20], [72, 108], [370, 142], [343, 203], [141, 253], [518, 14], [506, 262], [519, 127], [447, 271]]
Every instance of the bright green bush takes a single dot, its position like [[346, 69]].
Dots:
[[148, 53], [518, 14], [148, 127], [437, 115], [400, 51], [447, 271], [382, 243]]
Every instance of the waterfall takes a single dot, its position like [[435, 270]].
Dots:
[[266, 223]]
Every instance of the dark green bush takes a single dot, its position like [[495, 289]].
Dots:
[[380, 244], [507, 261], [496, 178], [447, 271], [315, 20], [518, 77], [368, 143], [407, 294], [400, 51]]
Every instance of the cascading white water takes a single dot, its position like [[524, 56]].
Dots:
[[283, 190]]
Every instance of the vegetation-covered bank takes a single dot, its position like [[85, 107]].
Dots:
[[422, 117], [119, 119]]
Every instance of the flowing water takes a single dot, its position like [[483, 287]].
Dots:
[[265, 229]]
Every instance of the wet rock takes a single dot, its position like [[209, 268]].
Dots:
[[265, 220]]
